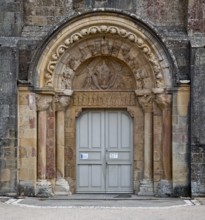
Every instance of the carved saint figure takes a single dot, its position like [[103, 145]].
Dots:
[[140, 76], [66, 79]]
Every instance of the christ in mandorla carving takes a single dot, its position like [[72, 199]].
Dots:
[[102, 77], [103, 74]]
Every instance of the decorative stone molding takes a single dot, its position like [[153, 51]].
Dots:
[[145, 99], [102, 99], [103, 29], [43, 102]]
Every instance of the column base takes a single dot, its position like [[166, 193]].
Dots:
[[43, 188], [165, 188], [146, 188], [62, 187]]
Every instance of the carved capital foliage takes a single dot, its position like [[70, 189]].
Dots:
[[43, 102], [62, 102], [163, 101], [145, 99]]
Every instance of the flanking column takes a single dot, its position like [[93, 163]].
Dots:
[[145, 99], [61, 186], [164, 102], [43, 187]]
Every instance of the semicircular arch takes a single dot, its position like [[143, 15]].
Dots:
[[104, 34]]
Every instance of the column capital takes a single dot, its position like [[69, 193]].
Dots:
[[145, 99], [62, 102], [43, 102], [163, 101]]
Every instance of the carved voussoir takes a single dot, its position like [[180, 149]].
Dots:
[[132, 37], [43, 102]]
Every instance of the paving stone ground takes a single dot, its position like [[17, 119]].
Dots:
[[101, 209]]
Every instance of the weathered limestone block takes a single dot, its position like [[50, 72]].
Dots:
[[197, 118], [180, 134], [27, 122]]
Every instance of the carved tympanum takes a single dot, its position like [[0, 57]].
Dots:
[[104, 73]]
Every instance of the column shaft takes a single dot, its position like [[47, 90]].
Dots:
[[42, 130], [60, 144], [166, 144], [148, 145]]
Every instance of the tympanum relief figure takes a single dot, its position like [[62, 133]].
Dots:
[[101, 76], [104, 74], [66, 78]]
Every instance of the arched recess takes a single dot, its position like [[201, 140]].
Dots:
[[106, 60]]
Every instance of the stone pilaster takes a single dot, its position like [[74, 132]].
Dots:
[[62, 186], [164, 102], [145, 99], [43, 187]]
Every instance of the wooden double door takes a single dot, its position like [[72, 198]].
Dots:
[[104, 152]]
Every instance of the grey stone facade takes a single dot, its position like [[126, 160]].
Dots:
[[179, 25]]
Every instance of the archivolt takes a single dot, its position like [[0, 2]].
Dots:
[[109, 26]]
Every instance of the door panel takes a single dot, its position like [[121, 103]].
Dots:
[[83, 132], [112, 129], [119, 160], [125, 132], [96, 130], [104, 152]]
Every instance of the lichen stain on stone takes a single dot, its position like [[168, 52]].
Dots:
[[156, 9], [196, 12]]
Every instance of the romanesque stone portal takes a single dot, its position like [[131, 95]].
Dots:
[[101, 61]]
